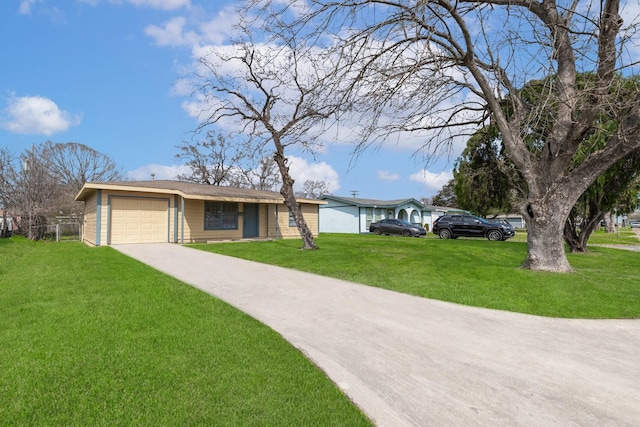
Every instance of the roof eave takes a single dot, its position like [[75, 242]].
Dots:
[[89, 187]]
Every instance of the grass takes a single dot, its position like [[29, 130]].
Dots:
[[466, 271], [91, 337], [626, 236]]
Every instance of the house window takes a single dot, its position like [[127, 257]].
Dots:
[[292, 220], [220, 216]]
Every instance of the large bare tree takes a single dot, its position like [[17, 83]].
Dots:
[[443, 68], [75, 164], [36, 193], [72, 165], [234, 161], [271, 91], [42, 183], [211, 160], [7, 174]]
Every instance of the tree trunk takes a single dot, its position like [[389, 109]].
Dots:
[[545, 238], [577, 242], [286, 190], [609, 223], [573, 239], [4, 232]]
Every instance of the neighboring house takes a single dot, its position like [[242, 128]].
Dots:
[[183, 212], [354, 215], [516, 220]]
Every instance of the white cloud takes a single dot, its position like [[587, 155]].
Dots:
[[36, 115], [301, 171], [433, 182], [161, 4], [219, 28], [153, 4], [387, 176], [160, 172], [194, 32], [171, 33], [25, 6]]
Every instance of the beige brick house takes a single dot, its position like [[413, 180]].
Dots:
[[182, 212]]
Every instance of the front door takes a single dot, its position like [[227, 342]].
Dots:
[[250, 221]]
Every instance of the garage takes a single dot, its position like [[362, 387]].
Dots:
[[139, 220]]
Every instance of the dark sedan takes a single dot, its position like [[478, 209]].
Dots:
[[397, 226]]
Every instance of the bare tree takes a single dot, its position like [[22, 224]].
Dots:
[[72, 165], [36, 193], [271, 91], [442, 67], [7, 174], [314, 189], [258, 169], [211, 161], [76, 164], [43, 182], [236, 162]]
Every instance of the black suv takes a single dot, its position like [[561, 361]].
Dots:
[[454, 226]]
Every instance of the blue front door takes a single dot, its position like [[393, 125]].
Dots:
[[250, 220]]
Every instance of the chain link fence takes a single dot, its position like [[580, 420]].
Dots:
[[61, 232]]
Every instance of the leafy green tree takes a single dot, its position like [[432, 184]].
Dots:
[[446, 196], [484, 179], [487, 182]]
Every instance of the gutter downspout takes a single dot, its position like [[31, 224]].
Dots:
[[98, 216], [277, 222], [175, 218], [182, 219]]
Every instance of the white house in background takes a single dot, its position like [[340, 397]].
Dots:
[[516, 220], [354, 215]]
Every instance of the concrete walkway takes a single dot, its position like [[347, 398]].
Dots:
[[409, 361]]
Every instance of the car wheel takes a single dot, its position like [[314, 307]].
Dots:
[[444, 234], [377, 231], [406, 233], [494, 235]]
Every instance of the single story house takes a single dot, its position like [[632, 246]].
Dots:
[[354, 215], [184, 212], [516, 220]]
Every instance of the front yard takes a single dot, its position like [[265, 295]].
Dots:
[[466, 271], [89, 337]]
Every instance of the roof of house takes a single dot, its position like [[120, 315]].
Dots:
[[375, 203], [354, 201], [189, 190]]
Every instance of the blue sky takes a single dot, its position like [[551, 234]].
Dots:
[[103, 73]]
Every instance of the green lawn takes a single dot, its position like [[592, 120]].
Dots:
[[91, 337], [626, 236], [605, 284]]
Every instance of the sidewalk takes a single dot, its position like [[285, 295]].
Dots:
[[409, 361]]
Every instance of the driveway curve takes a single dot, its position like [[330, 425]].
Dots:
[[410, 361]]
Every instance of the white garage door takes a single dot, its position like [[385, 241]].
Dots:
[[139, 220]]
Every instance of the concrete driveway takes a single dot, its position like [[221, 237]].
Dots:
[[409, 361]]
